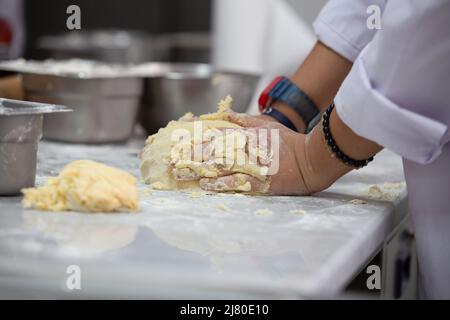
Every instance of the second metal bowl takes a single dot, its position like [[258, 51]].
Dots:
[[104, 109], [181, 87]]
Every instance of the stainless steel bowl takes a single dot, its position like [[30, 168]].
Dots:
[[178, 88], [104, 109], [20, 132], [114, 46]]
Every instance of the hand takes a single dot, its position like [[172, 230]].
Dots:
[[286, 179]]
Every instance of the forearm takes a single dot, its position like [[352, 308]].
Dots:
[[319, 76], [318, 164]]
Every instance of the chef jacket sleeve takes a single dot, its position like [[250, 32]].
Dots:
[[342, 26], [396, 93]]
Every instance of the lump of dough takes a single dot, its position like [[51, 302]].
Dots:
[[156, 155], [88, 186]]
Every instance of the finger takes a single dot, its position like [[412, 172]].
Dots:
[[235, 182], [208, 169]]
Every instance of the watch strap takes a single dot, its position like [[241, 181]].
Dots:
[[294, 97], [280, 117]]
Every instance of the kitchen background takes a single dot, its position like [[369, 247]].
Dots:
[[155, 17]]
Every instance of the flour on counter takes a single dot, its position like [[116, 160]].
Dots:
[[160, 200]]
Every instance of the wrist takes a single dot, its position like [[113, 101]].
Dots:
[[319, 167], [349, 142]]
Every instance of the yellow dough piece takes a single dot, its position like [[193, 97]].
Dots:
[[87, 186], [160, 150]]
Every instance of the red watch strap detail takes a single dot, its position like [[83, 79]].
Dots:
[[264, 98]]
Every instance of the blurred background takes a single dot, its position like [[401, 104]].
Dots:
[[194, 53], [26, 25]]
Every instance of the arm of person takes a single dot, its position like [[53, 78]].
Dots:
[[320, 77], [342, 33]]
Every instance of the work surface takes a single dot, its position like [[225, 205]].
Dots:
[[212, 246]]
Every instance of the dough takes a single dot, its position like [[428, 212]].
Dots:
[[161, 150], [88, 186]]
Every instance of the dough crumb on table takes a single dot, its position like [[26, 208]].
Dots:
[[86, 186], [223, 207], [158, 185], [299, 212], [387, 191], [263, 212], [196, 194]]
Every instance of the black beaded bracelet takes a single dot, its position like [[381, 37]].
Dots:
[[334, 148]]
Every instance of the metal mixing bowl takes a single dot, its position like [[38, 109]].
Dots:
[[176, 88], [104, 109]]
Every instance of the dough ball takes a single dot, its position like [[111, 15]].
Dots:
[[87, 186]]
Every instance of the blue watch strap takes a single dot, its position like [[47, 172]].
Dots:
[[280, 117], [295, 98]]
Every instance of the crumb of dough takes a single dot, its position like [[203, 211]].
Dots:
[[357, 201], [87, 186], [159, 186], [375, 190], [196, 194], [394, 185], [386, 191], [263, 212], [222, 206], [299, 212]]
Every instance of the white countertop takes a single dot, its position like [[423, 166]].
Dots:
[[183, 247]]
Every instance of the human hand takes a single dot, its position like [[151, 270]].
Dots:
[[276, 171]]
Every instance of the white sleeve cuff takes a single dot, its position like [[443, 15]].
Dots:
[[373, 116]]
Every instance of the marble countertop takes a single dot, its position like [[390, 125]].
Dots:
[[212, 246]]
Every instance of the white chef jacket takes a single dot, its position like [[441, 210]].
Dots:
[[398, 95]]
